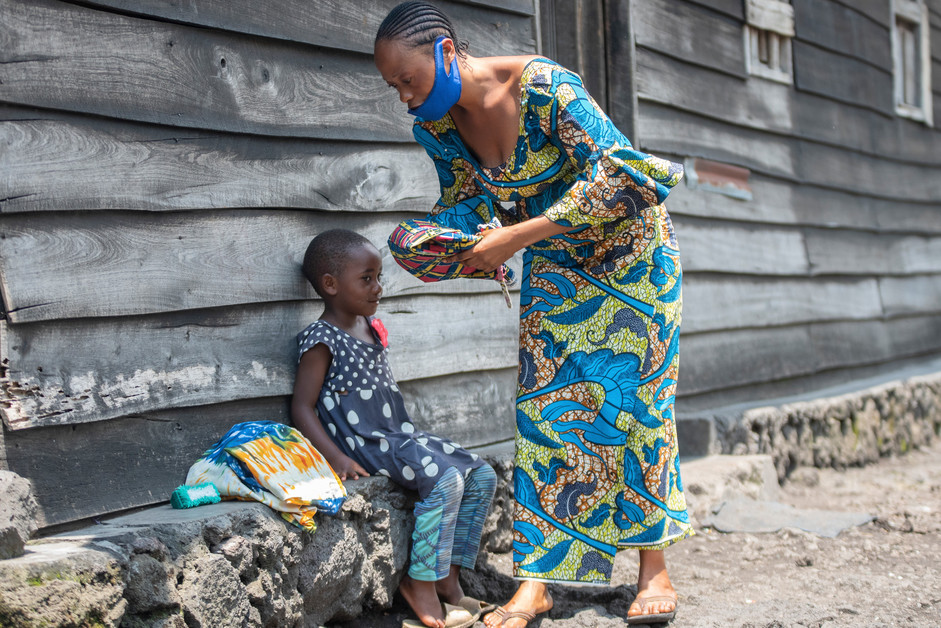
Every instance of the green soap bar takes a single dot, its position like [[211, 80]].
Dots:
[[188, 496]]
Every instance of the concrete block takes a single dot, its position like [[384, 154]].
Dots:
[[711, 480]]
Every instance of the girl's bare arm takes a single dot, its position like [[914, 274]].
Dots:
[[311, 373]]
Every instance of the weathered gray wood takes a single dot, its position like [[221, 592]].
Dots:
[[93, 369], [490, 28], [143, 263], [832, 167], [190, 77], [664, 129], [742, 249], [573, 35], [124, 463], [753, 103], [836, 27], [712, 302], [849, 252], [138, 461], [898, 139], [56, 163], [732, 8], [690, 32], [911, 295], [766, 105], [731, 359], [875, 10], [621, 63], [842, 78], [667, 130], [776, 16], [474, 408], [783, 203]]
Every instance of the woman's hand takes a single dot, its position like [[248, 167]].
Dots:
[[345, 467], [494, 249], [498, 245]]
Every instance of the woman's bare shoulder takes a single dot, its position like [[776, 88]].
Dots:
[[514, 63]]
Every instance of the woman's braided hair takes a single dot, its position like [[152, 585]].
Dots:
[[419, 24]]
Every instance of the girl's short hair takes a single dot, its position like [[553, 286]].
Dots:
[[327, 254], [419, 24]]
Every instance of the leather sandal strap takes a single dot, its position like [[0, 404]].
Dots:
[[517, 615]]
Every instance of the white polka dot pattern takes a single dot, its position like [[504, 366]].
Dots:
[[363, 411]]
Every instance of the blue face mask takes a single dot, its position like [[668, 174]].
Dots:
[[445, 91]]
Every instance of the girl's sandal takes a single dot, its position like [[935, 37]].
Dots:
[[454, 617], [476, 607]]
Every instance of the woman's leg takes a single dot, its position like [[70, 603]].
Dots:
[[653, 581], [432, 540], [475, 504]]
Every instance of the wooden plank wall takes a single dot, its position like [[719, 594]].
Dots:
[[834, 265], [162, 168]]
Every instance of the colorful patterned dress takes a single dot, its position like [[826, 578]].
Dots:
[[596, 454]]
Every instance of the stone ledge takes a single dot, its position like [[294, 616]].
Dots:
[[840, 429], [227, 564]]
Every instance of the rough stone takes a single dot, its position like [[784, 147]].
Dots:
[[18, 511], [849, 429], [62, 584], [212, 595], [742, 515], [149, 586], [707, 482], [231, 564]]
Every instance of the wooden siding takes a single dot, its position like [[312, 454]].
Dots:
[[163, 167], [835, 261]]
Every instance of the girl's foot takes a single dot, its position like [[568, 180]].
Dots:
[[653, 582], [449, 590], [423, 600], [532, 596]]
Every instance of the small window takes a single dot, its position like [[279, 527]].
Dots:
[[769, 27], [910, 52]]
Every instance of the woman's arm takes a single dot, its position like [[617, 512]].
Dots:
[[311, 373], [499, 245]]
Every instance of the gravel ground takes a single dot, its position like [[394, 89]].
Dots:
[[884, 573]]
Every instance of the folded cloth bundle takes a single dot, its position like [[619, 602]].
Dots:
[[419, 246], [273, 464]]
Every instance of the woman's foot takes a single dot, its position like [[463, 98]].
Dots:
[[532, 596], [423, 600], [655, 592], [449, 590]]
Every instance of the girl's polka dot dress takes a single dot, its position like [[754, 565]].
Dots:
[[364, 413]]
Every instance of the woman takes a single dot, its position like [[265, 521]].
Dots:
[[596, 454]]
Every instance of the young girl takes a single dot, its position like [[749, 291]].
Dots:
[[344, 386]]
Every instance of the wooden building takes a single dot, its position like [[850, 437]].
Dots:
[[164, 164]]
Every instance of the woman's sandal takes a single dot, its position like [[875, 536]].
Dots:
[[506, 615], [653, 618]]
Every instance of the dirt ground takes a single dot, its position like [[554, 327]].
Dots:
[[884, 573]]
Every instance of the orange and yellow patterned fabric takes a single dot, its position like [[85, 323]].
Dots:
[[273, 464]]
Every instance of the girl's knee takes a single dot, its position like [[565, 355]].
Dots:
[[451, 483], [484, 477]]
